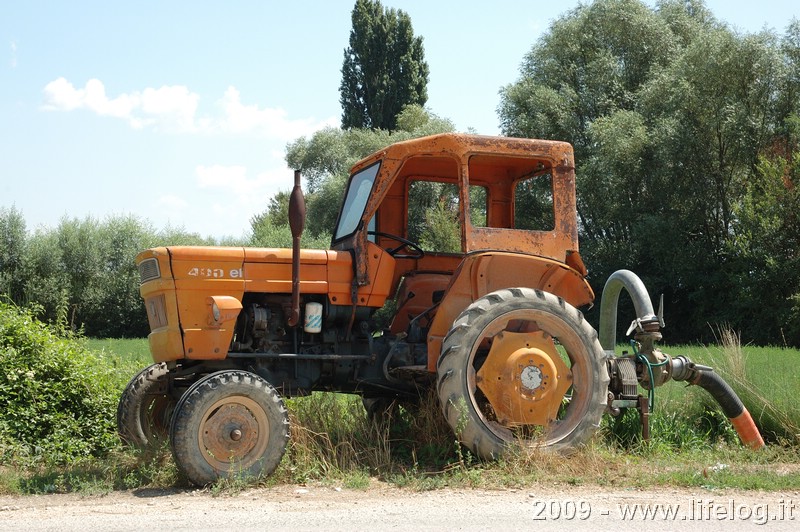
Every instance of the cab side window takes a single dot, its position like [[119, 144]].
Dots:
[[533, 203]]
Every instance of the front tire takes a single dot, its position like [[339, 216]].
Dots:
[[145, 408], [522, 366], [229, 423]]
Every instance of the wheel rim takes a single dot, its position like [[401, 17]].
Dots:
[[155, 416], [529, 376], [234, 433]]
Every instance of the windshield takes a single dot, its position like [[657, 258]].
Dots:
[[355, 200]]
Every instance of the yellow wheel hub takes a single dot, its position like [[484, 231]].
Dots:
[[524, 378]]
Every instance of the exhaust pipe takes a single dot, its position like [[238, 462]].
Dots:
[[297, 220], [647, 326]]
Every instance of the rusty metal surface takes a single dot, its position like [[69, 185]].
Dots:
[[234, 432], [497, 164], [482, 273]]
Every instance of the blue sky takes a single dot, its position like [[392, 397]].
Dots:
[[179, 111]]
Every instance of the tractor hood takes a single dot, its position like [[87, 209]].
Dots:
[[236, 270]]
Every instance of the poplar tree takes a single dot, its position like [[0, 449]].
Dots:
[[384, 68]]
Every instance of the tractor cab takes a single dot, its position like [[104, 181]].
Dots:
[[447, 205]]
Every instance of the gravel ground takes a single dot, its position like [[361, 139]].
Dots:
[[384, 507]]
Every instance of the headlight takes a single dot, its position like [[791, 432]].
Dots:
[[222, 309]]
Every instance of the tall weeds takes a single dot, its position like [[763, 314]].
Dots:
[[762, 386], [333, 436]]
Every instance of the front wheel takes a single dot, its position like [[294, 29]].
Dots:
[[522, 366], [229, 423], [145, 407]]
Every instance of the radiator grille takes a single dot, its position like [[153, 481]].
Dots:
[[148, 270]]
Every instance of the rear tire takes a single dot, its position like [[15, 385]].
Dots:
[[145, 409], [545, 385], [229, 423]]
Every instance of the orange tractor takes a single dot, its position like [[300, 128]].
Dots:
[[490, 320]]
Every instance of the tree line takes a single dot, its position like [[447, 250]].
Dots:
[[686, 145], [686, 137], [81, 274]]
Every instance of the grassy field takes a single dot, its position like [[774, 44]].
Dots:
[[333, 442], [128, 356], [763, 377]]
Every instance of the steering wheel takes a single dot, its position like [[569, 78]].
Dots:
[[404, 243]]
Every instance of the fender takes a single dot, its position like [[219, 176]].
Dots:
[[484, 272]]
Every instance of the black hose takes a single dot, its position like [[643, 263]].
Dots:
[[731, 405], [721, 391]]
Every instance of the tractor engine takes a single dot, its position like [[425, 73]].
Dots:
[[261, 326], [319, 355]]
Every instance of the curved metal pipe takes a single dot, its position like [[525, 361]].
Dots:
[[681, 368], [684, 369], [608, 305]]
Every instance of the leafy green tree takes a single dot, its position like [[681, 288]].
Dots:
[[112, 306], [325, 160], [433, 206], [442, 231], [711, 116], [788, 104], [590, 63], [46, 283], [12, 251], [765, 251], [669, 112], [277, 212], [384, 68]]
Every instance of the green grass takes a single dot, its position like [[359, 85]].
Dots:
[[334, 443], [127, 356], [764, 378]]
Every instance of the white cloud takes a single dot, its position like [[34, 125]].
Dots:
[[218, 176], [272, 122], [175, 102], [235, 179], [237, 196], [94, 97], [175, 108], [247, 194], [61, 95], [169, 108]]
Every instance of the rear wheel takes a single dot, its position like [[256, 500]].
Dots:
[[229, 423], [522, 366], [145, 408]]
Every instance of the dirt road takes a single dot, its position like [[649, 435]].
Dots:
[[386, 508]]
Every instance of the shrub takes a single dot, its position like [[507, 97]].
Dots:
[[58, 399]]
